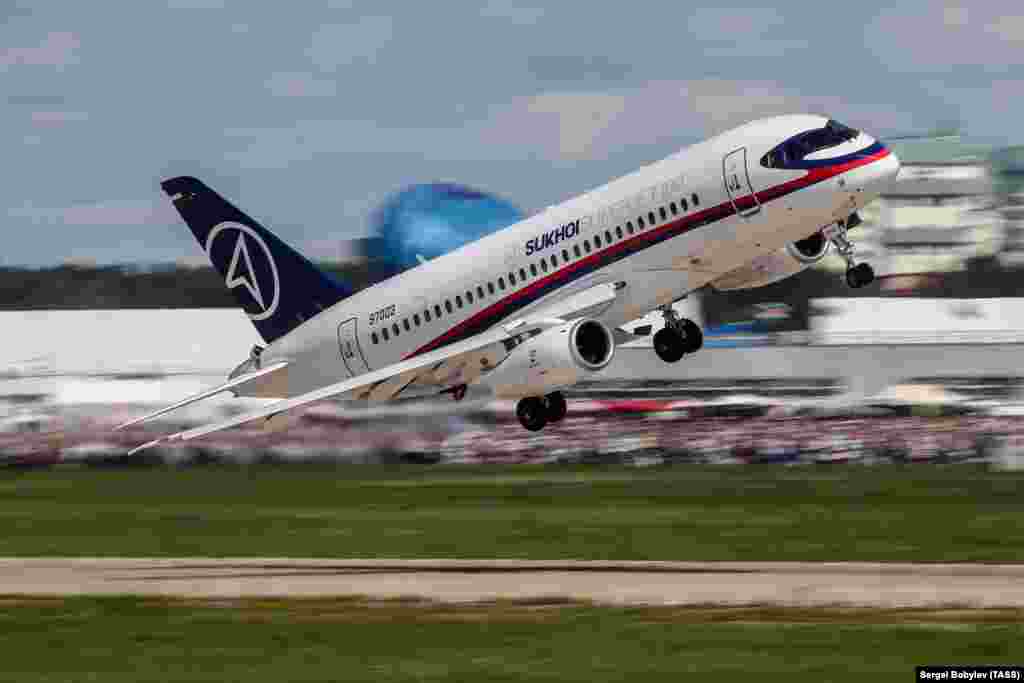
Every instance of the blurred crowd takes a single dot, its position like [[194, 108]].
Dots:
[[638, 438]]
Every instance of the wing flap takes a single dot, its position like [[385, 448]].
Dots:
[[493, 336]]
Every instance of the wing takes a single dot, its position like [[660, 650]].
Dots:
[[230, 384], [500, 338]]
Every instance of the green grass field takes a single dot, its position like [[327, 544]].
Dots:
[[924, 513], [140, 640]]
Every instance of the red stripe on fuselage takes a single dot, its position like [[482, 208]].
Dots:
[[679, 226]]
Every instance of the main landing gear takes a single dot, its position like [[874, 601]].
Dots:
[[534, 412], [857, 274], [679, 337]]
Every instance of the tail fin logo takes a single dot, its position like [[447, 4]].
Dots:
[[250, 268]]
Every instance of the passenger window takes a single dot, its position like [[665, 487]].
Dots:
[[554, 261], [640, 223], [618, 231], [384, 333], [458, 300], [437, 310], [416, 319], [565, 255], [684, 205], [576, 250], [405, 324], [522, 274], [426, 315], [490, 288], [511, 279], [544, 265], [672, 208], [479, 292], [597, 241], [501, 283], [651, 218], [448, 305], [608, 236], [695, 198], [374, 338], [629, 227], [663, 214], [394, 328], [586, 245]]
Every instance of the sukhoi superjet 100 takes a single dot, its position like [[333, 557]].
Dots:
[[528, 310]]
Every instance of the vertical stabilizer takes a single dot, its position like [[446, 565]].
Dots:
[[277, 287]]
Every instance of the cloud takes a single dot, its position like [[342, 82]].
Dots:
[[57, 118], [519, 16], [566, 125], [577, 69], [35, 100], [107, 213], [1009, 29], [337, 45], [574, 126], [58, 49], [934, 38], [733, 23], [300, 85], [742, 32]]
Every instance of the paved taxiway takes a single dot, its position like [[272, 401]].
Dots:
[[679, 583]]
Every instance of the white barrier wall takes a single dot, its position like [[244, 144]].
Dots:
[[195, 341], [914, 320]]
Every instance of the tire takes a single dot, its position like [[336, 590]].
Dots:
[[669, 345], [531, 413], [866, 273], [693, 337], [555, 407], [860, 275]]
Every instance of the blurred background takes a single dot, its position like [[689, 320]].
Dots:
[[110, 310]]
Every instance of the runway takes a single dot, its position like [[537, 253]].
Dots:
[[622, 583]]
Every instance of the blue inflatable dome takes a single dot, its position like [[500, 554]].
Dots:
[[423, 222]]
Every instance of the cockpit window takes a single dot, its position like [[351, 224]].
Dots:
[[806, 144]]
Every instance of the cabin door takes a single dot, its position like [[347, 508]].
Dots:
[[737, 183]]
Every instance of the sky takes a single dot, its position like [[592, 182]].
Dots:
[[309, 114]]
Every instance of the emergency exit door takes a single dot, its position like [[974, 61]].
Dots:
[[351, 354]]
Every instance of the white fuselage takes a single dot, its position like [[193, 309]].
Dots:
[[714, 209]]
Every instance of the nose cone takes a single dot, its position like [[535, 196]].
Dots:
[[889, 167], [882, 174]]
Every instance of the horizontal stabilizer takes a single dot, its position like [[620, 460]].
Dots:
[[230, 384]]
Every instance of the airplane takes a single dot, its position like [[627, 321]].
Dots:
[[531, 309]]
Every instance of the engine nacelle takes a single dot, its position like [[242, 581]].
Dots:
[[557, 357], [778, 265]]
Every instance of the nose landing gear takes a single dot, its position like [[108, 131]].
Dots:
[[679, 337], [857, 274]]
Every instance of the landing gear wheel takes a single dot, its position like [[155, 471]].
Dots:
[[531, 413], [860, 275], [555, 407], [669, 345], [693, 338]]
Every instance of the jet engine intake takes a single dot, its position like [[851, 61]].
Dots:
[[556, 358]]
